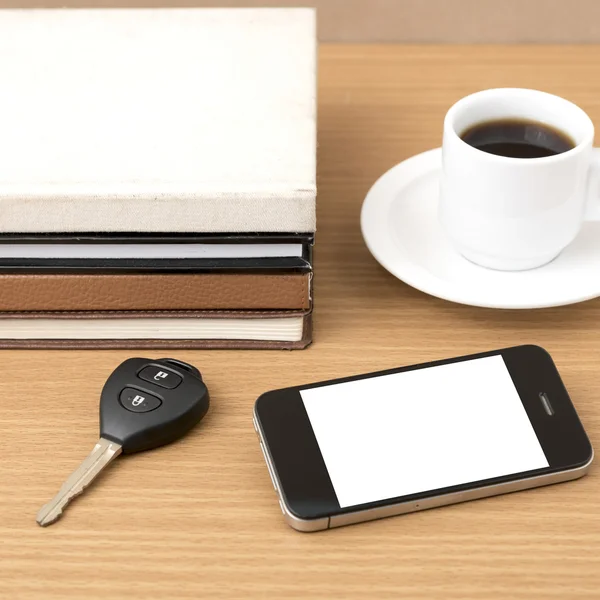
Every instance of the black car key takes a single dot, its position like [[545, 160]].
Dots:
[[144, 404]]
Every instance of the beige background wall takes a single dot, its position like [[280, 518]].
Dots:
[[418, 20]]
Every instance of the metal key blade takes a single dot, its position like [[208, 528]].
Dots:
[[103, 454]]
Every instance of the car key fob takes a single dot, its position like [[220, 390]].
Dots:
[[150, 403], [144, 404]]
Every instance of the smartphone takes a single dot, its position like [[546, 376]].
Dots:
[[408, 439]]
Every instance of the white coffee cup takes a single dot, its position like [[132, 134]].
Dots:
[[516, 213]]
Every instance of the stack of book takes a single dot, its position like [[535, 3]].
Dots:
[[157, 186]]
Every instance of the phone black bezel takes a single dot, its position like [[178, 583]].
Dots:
[[301, 472]]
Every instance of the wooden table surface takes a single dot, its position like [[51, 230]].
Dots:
[[199, 519]]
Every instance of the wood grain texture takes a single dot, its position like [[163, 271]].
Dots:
[[200, 519]]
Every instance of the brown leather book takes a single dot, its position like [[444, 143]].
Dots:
[[156, 329], [151, 292]]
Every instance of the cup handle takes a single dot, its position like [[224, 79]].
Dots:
[[592, 212]]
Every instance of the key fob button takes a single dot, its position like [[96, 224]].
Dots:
[[161, 377], [137, 401]]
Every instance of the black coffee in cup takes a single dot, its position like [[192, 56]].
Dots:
[[517, 138]]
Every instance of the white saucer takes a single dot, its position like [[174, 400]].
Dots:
[[401, 229]]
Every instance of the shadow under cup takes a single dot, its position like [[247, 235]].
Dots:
[[506, 212]]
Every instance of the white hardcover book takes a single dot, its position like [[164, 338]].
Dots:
[[148, 251], [288, 329], [157, 120]]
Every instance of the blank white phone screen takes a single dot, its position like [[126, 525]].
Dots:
[[422, 430]]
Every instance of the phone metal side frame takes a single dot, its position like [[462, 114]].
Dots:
[[306, 525], [401, 508]]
